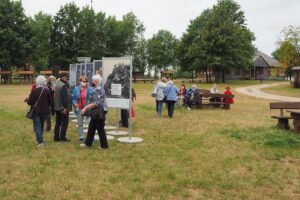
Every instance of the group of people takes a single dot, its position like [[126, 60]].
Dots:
[[165, 91], [53, 97]]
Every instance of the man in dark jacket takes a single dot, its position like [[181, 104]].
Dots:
[[51, 86], [62, 107]]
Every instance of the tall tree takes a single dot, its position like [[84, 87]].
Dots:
[[14, 34], [40, 26], [162, 50], [87, 31], [192, 50], [288, 51], [229, 39], [65, 36]]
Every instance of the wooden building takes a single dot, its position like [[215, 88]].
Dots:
[[263, 65]]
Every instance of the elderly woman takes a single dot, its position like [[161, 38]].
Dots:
[[80, 99], [40, 100], [171, 92], [159, 97], [98, 107]]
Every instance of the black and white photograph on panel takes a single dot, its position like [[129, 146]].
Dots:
[[72, 72], [83, 72], [98, 67], [116, 76], [90, 71], [78, 73]]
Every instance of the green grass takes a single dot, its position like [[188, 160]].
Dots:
[[203, 154], [284, 90]]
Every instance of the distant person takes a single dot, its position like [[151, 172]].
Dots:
[[215, 100], [193, 96], [40, 99], [182, 94], [62, 107], [228, 101], [98, 119], [125, 112], [51, 86], [171, 92], [81, 98], [159, 95], [214, 89]]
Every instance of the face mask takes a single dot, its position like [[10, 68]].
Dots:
[[83, 84]]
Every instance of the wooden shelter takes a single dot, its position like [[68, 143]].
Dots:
[[167, 73], [296, 82]]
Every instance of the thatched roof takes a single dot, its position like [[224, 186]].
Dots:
[[263, 60]]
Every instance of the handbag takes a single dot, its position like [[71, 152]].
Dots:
[[154, 92], [95, 113], [30, 113], [165, 97]]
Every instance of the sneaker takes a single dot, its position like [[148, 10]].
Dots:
[[189, 108], [81, 139], [83, 146], [40, 145]]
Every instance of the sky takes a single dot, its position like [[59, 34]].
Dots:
[[266, 18]]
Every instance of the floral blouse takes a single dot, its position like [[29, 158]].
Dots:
[[99, 98]]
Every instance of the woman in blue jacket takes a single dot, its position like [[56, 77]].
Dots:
[[81, 98], [171, 93]]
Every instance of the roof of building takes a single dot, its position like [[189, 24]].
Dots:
[[296, 68], [263, 60], [168, 72]]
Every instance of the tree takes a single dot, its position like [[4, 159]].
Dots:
[[288, 51], [14, 34], [161, 50], [87, 31], [192, 50], [219, 40], [40, 26], [228, 39], [65, 42]]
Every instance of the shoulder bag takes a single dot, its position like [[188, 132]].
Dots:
[[30, 113]]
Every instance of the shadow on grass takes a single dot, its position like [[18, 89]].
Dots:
[[266, 136]]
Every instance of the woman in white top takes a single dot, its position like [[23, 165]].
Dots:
[[159, 97]]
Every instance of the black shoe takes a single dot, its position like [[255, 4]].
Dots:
[[56, 140]]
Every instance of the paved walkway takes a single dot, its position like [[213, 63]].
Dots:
[[256, 92]]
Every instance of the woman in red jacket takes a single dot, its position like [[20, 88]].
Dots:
[[229, 100]]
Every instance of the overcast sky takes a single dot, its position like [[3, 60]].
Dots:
[[266, 18]]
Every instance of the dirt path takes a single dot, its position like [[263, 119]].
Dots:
[[256, 92]]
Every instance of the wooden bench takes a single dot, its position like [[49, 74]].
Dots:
[[206, 99], [144, 80], [46, 72], [26, 75], [6, 77], [283, 121]]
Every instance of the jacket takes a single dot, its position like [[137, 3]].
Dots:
[[43, 104], [160, 87], [171, 92], [62, 97], [76, 93]]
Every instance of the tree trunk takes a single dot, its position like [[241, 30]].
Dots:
[[217, 76], [192, 76], [206, 74], [223, 76], [209, 75]]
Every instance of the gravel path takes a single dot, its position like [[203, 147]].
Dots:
[[256, 92]]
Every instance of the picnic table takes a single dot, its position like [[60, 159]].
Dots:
[[283, 120], [296, 117]]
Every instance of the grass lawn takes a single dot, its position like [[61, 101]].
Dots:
[[284, 90], [202, 154]]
